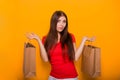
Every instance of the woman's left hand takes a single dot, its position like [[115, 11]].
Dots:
[[91, 39]]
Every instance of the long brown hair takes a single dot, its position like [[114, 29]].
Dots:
[[52, 37]]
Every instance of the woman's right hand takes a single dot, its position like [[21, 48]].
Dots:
[[89, 39], [32, 36]]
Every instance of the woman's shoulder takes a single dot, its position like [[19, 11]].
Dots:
[[44, 38], [73, 37], [71, 34]]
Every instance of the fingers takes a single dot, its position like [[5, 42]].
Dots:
[[91, 39], [32, 33], [32, 36], [29, 35]]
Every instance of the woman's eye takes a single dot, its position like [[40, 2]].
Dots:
[[64, 21]]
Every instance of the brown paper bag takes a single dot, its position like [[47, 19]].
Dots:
[[91, 61], [29, 66]]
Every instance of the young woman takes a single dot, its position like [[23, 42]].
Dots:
[[58, 47]]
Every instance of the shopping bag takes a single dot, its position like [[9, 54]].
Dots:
[[91, 64], [29, 62]]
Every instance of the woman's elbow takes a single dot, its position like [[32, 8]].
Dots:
[[46, 61]]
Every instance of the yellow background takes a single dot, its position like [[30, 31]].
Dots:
[[100, 18]]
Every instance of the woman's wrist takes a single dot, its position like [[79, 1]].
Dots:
[[85, 38]]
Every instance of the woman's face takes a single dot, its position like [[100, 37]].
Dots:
[[61, 24]]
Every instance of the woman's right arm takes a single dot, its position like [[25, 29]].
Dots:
[[43, 52]]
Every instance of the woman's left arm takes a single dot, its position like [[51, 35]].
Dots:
[[78, 51]]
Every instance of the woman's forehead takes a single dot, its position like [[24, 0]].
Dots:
[[62, 17]]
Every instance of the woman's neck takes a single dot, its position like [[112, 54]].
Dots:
[[59, 37]]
